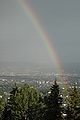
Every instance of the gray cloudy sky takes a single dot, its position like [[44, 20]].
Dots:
[[19, 40]]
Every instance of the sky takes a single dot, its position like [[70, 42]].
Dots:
[[21, 42]]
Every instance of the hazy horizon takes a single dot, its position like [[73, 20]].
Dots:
[[24, 67]]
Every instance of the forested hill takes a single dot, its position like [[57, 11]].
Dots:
[[27, 103]]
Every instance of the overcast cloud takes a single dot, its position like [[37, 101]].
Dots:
[[19, 40]]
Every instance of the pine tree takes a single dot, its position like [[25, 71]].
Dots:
[[24, 104], [73, 109], [10, 109], [54, 104], [2, 104]]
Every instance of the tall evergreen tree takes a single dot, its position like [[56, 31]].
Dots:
[[2, 104], [10, 109], [24, 104], [54, 104], [73, 109]]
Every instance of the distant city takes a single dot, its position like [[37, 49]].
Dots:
[[41, 77]]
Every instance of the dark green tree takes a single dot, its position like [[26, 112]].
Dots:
[[73, 109], [2, 104], [10, 108], [53, 103], [30, 103], [25, 103]]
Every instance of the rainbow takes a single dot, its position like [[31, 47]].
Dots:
[[44, 35]]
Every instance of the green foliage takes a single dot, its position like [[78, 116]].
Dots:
[[73, 109], [24, 104], [53, 102], [2, 103]]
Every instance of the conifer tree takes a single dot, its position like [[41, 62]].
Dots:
[[2, 104], [54, 104], [24, 104], [10, 109], [73, 109]]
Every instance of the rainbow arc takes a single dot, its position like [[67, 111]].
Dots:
[[28, 9]]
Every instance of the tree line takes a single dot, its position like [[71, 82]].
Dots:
[[27, 103]]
